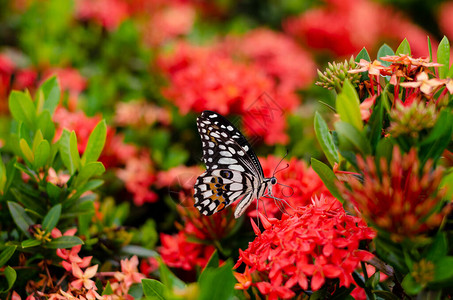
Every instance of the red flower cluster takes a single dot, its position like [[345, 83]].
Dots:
[[167, 20], [13, 77], [302, 181], [107, 13], [399, 196], [278, 55], [208, 78], [352, 25], [320, 242], [134, 167], [178, 252]]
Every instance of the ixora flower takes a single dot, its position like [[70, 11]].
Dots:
[[317, 246], [178, 252], [301, 185], [208, 78], [400, 196]]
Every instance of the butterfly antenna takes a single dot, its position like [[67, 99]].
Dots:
[[286, 186], [287, 165]]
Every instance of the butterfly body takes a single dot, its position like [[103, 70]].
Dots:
[[233, 171]]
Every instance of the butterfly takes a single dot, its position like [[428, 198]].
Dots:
[[232, 169]]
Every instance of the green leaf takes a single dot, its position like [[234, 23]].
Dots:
[[327, 176], [154, 289], [348, 106], [20, 217], [139, 251], [430, 49], [444, 269], [213, 261], [22, 108], [439, 247], [66, 153], [411, 286], [352, 135], [384, 51], [46, 125], [440, 136], [42, 154], [51, 92], [75, 156], [325, 140], [2, 176], [28, 201], [404, 48], [168, 278], [363, 54], [36, 140], [95, 143], [375, 124], [447, 184], [30, 243], [64, 242], [53, 191], [6, 254], [26, 150], [11, 276], [88, 171], [443, 57], [52, 217], [386, 295], [210, 279], [107, 290]]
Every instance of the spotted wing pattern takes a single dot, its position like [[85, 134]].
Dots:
[[216, 189], [224, 146], [233, 170]]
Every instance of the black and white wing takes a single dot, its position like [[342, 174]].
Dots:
[[224, 146], [233, 170]]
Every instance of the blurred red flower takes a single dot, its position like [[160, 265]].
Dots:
[[318, 243], [177, 252], [345, 27], [278, 55], [168, 20], [138, 176], [303, 182], [107, 13], [77, 121], [445, 19], [206, 78], [400, 196]]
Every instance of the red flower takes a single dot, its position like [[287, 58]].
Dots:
[[401, 198], [177, 252], [318, 243], [107, 13], [25, 78], [138, 175], [352, 25], [168, 20], [208, 79], [277, 55], [445, 20], [303, 181], [77, 121]]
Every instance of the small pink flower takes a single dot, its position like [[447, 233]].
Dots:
[[129, 272], [83, 277]]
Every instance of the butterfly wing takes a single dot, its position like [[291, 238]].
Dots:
[[216, 189], [224, 146]]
